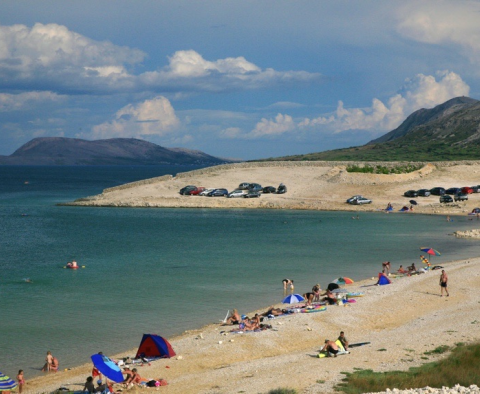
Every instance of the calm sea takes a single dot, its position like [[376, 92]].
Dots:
[[168, 270]]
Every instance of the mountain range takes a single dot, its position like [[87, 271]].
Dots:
[[449, 131], [115, 151]]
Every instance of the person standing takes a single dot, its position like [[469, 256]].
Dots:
[[386, 267], [48, 362], [21, 381], [444, 283]]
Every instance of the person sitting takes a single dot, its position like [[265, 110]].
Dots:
[[401, 270], [246, 324], [234, 318], [89, 386], [411, 269], [54, 365], [329, 297], [330, 348], [316, 292], [128, 372], [343, 340], [135, 378]]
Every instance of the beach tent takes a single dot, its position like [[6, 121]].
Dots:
[[153, 345], [383, 280]]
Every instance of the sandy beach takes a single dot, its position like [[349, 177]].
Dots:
[[402, 321]]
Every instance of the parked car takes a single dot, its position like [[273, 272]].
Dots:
[[453, 190], [446, 198], [410, 193], [195, 192], [269, 189], [187, 189], [361, 200], [244, 186], [251, 194], [467, 190], [475, 189], [353, 198], [423, 193], [437, 191], [218, 193], [206, 191], [461, 197], [255, 187], [236, 193], [282, 189]]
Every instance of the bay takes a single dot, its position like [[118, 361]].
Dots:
[[168, 270]]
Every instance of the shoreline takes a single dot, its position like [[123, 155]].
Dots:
[[249, 360]]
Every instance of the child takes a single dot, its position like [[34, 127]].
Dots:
[[89, 386], [21, 381]]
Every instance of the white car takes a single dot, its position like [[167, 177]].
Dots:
[[361, 200], [236, 193], [206, 191], [352, 199]]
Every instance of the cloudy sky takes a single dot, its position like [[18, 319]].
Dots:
[[241, 79]]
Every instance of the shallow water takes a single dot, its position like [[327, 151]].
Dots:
[[167, 270]]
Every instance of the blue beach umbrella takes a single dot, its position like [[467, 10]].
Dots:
[[293, 299], [107, 367], [6, 384]]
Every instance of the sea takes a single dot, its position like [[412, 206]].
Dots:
[[164, 270]]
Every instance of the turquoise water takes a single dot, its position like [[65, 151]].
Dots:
[[167, 270]]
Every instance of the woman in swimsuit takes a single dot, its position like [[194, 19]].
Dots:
[[287, 282], [48, 362], [21, 381]]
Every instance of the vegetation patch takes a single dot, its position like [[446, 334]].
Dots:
[[399, 169], [438, 350], [282, 391], [461, 367]]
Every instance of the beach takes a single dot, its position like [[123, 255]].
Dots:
[[402, 321]]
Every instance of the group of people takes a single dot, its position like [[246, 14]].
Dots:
[[250, 324], [332, 349], [51, 363]]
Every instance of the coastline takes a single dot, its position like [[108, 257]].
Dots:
[[406, 319]]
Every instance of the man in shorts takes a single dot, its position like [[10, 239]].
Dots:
[[331, 348], [443, 283]]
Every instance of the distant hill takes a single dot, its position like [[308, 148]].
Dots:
[[115, 151], [449, 131]]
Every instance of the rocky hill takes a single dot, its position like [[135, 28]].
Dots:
[[115, 151], [449, 131]]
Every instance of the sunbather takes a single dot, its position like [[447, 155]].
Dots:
[[135, 378], [234, 318], [274, 311], [329, 297], [331, 348]]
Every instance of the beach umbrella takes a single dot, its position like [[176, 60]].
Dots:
[[342, 281], [6, 384], [293, 299], [107, 367], [431, 251]]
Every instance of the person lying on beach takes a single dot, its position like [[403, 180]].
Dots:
[[248, 325], [234, 318], [274, 311], [330, 348]]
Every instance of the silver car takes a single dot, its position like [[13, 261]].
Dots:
[[236, 193], [361, 200]]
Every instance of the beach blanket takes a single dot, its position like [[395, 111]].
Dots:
[[355, 294], [318, 308]]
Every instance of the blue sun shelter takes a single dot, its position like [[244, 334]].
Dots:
[[154, 346]]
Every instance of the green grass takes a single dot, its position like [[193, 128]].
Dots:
[[398, 169], [460, 367], [282, 391]]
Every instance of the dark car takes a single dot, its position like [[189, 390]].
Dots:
[[282, 189], [461, 197], [467, 190], [437, 191], [475, 189], [423, 193], [446, 198], [255, 187], [187, 189], [218, 193], [269, 189], [410, 193], [252, 194], [243, 186], [453, 190], [195, 192]]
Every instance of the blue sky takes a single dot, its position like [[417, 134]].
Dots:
[[239, 79]]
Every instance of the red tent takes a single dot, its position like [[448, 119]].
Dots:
[[153, 345]]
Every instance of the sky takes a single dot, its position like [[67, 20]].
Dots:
[[237, 79]]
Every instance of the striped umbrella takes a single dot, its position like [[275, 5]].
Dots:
[[6, 384], [293, 299]]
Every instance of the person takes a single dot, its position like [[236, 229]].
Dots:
[[343, 340], [48, 362], [54, 365], [234, 318], [21, 381], [316, 292], [274, 311], [401, 270], [101, 387], [329, 297], [128, 374], [89, 386], [411, 207], [386, 267], [135, 378], [444, 283], [309, 298], [286, 283], [448, 218], [412, 268], [331, 348]]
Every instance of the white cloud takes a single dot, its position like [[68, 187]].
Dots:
[[155, 117], [272, 127], [53, 55], [22, 101], [440, 23], [422, 91]]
